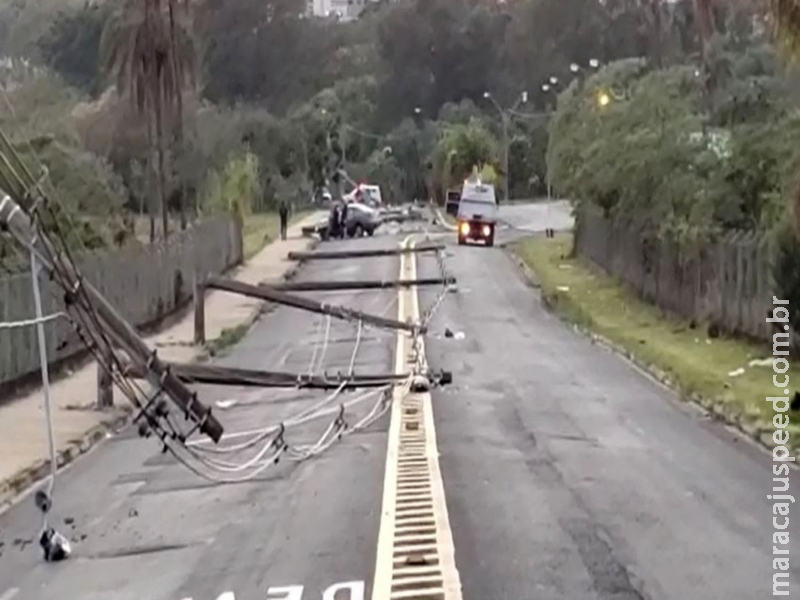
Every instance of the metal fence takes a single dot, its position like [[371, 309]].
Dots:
[[728, 283], [144, 283]]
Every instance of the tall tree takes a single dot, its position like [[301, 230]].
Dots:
[[184, 58], [146, 54], [785, 16], [786, 20], [71, 44]]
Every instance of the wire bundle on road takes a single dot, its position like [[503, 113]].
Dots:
[[266, 446], [102, 339], [250, 453]]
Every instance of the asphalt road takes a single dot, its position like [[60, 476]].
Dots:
[[568, 474], [145, 528], [571, 475]]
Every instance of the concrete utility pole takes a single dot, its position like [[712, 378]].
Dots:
[[109, 324], [504, 118]]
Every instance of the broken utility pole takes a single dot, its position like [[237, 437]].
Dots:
[[219, 375], [321, 255], [20, 225], [330, 286], [272, 295]]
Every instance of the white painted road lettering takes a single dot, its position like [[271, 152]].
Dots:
[[354, 589], [347, 590], [292, 592], [9, 594]]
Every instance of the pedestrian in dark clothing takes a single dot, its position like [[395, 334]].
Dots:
[[333, 222], [344, 220], [283, 211]]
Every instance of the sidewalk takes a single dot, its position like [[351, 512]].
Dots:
[[77, 425]]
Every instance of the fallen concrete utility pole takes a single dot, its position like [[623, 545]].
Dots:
[[18, 223], [334, 254], [218, 375], [271, 295], [329, 286]]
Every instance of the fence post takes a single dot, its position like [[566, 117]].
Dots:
[[105, 383], [199, 309]]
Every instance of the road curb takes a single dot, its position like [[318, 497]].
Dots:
[[762, 436], [13, 488], [260, 310], [440, 219]]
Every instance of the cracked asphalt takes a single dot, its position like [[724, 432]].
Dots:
[[568, 473]]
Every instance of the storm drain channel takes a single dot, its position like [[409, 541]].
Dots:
[[415, 548], [416, 571]]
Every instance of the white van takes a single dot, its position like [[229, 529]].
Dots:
[[477, 213]]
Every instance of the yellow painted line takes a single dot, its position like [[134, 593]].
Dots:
[[414, 507]]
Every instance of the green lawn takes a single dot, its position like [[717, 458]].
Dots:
[[263, 228], [696, 366]]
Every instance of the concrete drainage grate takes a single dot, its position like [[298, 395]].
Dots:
[[416, 557], [416, 572]]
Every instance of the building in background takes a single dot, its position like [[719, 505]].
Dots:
[[343, 10]]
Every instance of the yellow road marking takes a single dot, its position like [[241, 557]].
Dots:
[[415, 555]]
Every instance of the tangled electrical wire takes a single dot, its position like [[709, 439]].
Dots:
[[254, 451], [427, 315], [245, 455], [155, 417], [36, 222]]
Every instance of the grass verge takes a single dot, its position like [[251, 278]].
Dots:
[[260, 229], [717, 373], [228, 338]]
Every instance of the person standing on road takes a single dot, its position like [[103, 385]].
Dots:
[[333, 222], [343, 227], [283, 211]]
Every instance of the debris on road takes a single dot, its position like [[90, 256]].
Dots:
[[458, 335], [55, 546], [420, 384], [223, 404]]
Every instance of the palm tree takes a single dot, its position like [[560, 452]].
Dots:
[[184, 57], [146, 50]]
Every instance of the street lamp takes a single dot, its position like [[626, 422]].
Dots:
[[504, 117], [551, 84], [603, 99]]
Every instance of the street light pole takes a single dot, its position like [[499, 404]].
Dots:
[[551, 84], [504, 118], [505, 156]]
